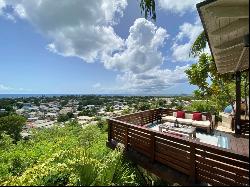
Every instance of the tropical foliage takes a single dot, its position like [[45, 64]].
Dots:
[[68, 155], [12, 125], [148, 8], [219, 88]]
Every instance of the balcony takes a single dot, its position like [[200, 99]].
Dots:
[[177, 159]]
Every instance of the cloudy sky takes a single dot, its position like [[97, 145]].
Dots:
[[95, 47]]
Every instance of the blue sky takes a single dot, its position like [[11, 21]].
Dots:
[[96, 47]]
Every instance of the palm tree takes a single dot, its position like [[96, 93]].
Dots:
[[148, 7]]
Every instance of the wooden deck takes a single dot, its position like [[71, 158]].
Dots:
[[177, 159], [239, 145]]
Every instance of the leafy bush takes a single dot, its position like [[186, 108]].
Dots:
[[201, 106], [64, 156], [12, 125]]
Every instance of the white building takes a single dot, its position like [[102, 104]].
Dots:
[[65, 110], [84, 119]]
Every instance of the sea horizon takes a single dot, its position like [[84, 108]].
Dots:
[[2, 96]]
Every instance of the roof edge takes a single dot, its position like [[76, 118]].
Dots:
[[198, 6]]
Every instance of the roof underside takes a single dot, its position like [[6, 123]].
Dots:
[[226, 23]]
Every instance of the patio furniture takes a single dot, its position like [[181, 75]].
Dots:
[[204, 123], [226, 119], [190, 131]]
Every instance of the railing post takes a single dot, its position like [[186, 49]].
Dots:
[[192, 178], [152, 146], [152, 116], [141, 119], [126, 137], [109, 130]]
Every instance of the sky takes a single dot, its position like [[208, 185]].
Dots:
[[96, 47]]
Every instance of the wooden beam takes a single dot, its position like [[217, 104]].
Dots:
[[229, 63], [232, 42], [229, 11], [228, 57], [229, 50], [233, 46], [231, 27], [225, 58], [224, 71], [240, 61]]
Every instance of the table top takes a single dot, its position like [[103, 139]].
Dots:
[[182, 128]]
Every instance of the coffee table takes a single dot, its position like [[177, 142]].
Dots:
[[191, 131]]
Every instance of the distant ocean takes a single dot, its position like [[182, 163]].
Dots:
[[29, 95], [52, 95]]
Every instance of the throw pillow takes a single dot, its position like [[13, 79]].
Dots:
[[197, 116], [180, 114]]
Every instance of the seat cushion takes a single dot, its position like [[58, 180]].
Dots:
[[201, 123], [188, 116], [197, 116], [169, 118], [204, 118], [180, 114], [185, 121]]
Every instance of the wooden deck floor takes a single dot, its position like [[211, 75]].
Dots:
[[240, 145]]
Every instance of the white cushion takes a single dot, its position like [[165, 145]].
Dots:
[[188, 116], [186, 121], [175, 114], [223, 114], [169, 118], [201, 123], [204, 118]]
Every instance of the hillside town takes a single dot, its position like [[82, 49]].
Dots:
[[45, 112]]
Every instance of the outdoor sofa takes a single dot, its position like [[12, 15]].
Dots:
[[194, 119]]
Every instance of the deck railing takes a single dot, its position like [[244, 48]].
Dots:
[[201, 162]]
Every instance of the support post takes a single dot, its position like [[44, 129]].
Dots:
[[238, 103], [152, 146]]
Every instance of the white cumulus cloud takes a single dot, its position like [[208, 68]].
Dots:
[[180, 49], [79, 28], [140, 51], [178, 6], [84, 29], [5, 88], [154, 81], [2, 5]]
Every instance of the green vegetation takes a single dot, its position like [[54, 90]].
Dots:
[[202, 106], [88, 112], [12, 125], [69, 155], [64, 156], [212, 86], [148, 7], [65, 117]]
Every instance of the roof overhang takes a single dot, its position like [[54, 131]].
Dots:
[[226, 24]]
